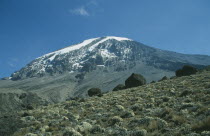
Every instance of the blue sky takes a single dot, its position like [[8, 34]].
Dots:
[[31, 28]]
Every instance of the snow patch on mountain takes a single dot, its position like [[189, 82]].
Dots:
[[69, 49], [118, 38], [108, 38], [106, 54]]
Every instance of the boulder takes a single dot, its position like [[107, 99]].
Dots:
[[119, 87], [186, 71], [164, 78], [153, 81], [135, 80], [94, 92]]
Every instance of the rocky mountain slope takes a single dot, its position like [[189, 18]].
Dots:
[[99, 62], [178, 106], [107, 53]]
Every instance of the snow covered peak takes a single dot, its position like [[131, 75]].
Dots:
[[108, 38], [118, 38], [83, 44]]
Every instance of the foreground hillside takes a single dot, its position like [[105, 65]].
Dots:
[[179, 106]]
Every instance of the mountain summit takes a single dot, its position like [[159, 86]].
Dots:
[[94, 43]]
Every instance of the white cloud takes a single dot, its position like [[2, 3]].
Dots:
[[80, 11], [13, 62], [90, 8], [92, 2]]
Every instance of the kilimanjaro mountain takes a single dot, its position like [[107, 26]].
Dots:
[[99, 62], [111, 54]]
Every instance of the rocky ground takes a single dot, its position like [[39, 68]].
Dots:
[[178, 106]]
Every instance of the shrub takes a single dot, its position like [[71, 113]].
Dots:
[[150, 123], [185, 93], [29, 107], [202, 126], [115, 119], [207, 68]]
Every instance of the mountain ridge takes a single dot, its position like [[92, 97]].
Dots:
[[100, 50]]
